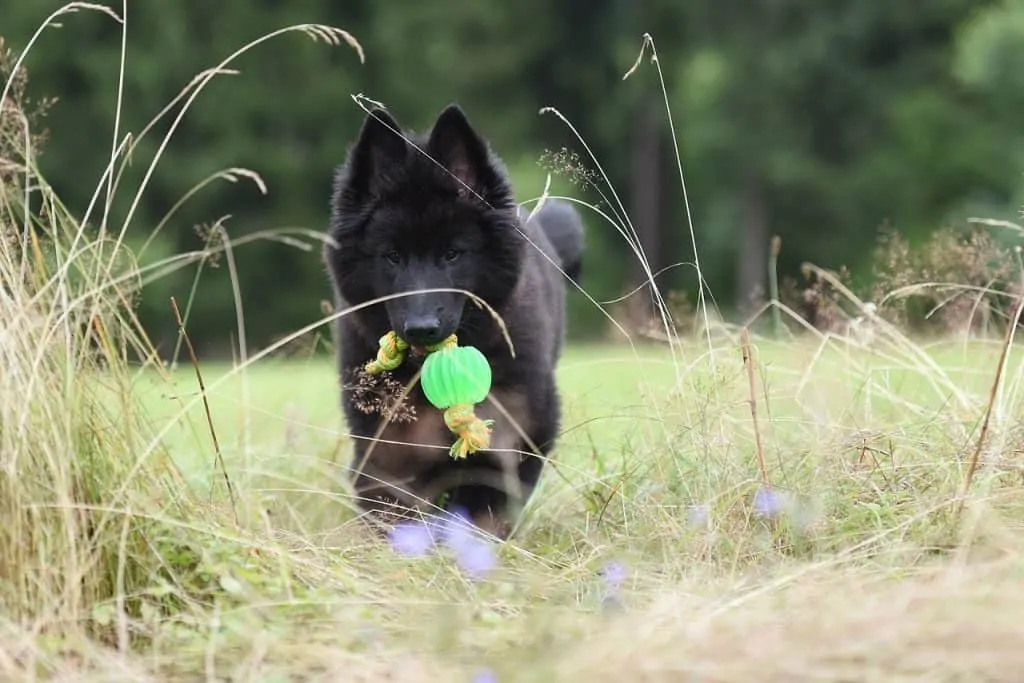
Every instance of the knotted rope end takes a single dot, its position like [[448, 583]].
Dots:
[[473, 433]]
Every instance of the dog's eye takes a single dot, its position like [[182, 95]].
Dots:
[[393, 257], [451, 255]]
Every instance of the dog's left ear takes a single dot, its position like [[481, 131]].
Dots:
[[455, 144]]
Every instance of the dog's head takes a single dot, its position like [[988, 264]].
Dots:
[[421, 213]]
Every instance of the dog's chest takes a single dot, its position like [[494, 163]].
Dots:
[[417, 442], [424, 441]]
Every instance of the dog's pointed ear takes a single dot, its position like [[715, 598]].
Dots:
[[458, 148], [379, 148]]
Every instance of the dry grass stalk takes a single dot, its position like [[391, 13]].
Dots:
[[749, 362], [996, 381], [206, 406]]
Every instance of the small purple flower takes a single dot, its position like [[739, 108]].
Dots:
[[412, 539], [485, 676], [455, 531], [476, 558], [456, 528], [473, 553], [614, 573], [768, 503]]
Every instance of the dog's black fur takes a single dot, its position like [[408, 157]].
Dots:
[[441, 214]]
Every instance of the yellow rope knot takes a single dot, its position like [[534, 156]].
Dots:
[[474, 434], [390, 354]]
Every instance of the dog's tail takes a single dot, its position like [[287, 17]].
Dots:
[[563, 226]]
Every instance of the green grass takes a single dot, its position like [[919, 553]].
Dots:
[[293, 404], [870, 452]]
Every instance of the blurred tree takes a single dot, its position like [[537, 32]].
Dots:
[[813, 121], [990, 65], [821, 121]]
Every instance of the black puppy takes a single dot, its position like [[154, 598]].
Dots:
[[437, 211]]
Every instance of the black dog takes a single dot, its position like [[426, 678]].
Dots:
[[437, 211]]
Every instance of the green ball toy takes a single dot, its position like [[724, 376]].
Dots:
[[454, 378]]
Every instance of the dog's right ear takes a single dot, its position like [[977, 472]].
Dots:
[[378, 149]]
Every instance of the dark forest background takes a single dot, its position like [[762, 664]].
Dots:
[[819, 122]]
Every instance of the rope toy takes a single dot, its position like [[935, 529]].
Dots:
[[454, 379]]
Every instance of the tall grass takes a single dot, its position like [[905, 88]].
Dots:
[[76, 501], [100, 537]]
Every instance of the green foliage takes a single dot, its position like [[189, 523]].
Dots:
[[990, 53], [816, 123]]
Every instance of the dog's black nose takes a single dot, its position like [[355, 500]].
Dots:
[[422, 330]]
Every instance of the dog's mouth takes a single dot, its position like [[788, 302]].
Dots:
[[416, 355]]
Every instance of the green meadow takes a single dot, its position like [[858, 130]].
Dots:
[[866, 446]]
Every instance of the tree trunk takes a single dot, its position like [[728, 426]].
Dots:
[[644, 209], [752, 274]]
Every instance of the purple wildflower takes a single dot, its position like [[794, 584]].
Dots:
[[768, 503], [456, 528], [614, 573], [485, 676], [472, 552], [412, 539], [456, 532], [476, 559]]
